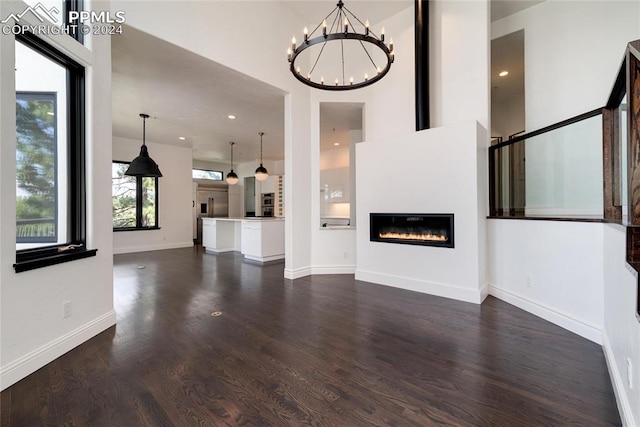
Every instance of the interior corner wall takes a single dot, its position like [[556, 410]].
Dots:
[[573, 51], [174, 199], [459, 61], [552, 269], [33, 331]]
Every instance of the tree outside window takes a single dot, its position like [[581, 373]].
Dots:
[[36, 168], [134, 200]]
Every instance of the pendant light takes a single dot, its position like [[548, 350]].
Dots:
[[261, 172], [232, 177], [143, 165]]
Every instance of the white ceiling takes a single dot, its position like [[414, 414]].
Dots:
[[503, 8], [189, 96]]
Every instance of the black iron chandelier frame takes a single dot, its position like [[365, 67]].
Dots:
[[341, 15]]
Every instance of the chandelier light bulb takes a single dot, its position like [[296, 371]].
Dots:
[[351, 80], [346, 25], [391, 44], [293, 43], [378, 69], [382, 34], [324, 28], [336, 81], [308, 76], [298, 70], [366, 77], [366, 28], [289, 53], [306, 33], [321, 80]]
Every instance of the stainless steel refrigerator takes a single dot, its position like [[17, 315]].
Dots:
[[210, 203]]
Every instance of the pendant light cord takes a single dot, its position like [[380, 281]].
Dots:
[[261, 133], [144, 127]]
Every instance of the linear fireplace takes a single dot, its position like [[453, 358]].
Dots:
[[412, 229]]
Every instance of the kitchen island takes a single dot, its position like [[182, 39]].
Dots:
[[259, 239]]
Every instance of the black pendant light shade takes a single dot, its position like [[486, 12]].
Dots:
[[143, 165], [232, 177], [261, 173]]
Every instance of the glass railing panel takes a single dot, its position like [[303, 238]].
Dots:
[[557, 174]]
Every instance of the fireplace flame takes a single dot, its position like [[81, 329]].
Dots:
[[413, 236]]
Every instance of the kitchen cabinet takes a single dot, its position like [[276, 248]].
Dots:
[[218, 235], [259, 239], [263, 240]]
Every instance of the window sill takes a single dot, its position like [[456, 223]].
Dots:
[[135, 229], [53, 259]]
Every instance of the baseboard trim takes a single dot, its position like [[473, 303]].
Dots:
[[333, 269], [560, 318], [297, 273], [622, 398], [148, 248], [36, 359], [438, 289]]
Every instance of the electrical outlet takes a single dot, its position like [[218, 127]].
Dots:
[[66, 309], [629, 373], [528, 281]]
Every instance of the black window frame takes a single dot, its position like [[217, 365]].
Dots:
[[139, 201], [208, 170], [73, 26], [75, 246]]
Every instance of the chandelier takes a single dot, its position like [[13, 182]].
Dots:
[[354, 59]]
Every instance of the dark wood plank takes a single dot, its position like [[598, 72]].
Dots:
[[322, 350]]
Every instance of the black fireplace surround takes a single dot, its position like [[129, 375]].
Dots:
[[412, 229]]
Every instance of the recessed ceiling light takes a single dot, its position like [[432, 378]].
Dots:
[[336, 143], [181, 138], [231, 116], [503, 73]]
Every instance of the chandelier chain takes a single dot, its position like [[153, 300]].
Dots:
[[342, 47], [367, 52]]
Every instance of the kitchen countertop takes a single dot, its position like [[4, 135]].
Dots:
[[248, 218]]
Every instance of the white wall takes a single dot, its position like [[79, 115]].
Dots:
[[32, 329], [174, 198], [621, 327], [572, 54], [459, 60], [550, 268], [452, 154]]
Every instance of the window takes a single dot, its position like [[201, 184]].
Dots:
[[36, 177], [50, 165], [135, 200], [206, 174]]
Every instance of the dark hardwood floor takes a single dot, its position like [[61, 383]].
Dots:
[[324, 350]]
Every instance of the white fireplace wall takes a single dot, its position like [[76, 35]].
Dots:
[[440, 170]]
